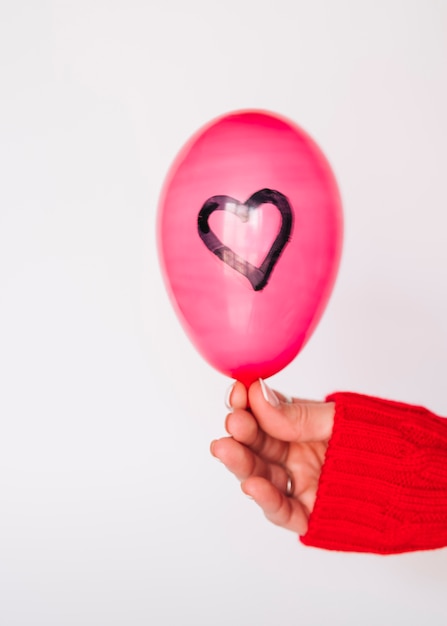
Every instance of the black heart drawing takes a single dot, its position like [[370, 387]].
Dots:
[[258, 276]]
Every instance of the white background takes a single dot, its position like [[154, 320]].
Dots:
[[112, 511]]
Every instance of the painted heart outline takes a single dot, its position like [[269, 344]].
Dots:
[[258, 276]]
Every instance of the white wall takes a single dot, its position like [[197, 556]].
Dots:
[[111, 509]]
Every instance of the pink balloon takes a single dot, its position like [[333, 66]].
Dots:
[[249, 236]]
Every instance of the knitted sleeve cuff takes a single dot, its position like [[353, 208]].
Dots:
[[383, 486]]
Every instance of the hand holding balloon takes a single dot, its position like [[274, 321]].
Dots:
[[250, 231], [277, 450]]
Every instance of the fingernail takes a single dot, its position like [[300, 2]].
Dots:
[[228, 396], [212, 451], [269, 395], [247, 495]]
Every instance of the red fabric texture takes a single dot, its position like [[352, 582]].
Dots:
[[383, 486]]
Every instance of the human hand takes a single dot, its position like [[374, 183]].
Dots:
[[276, 449]]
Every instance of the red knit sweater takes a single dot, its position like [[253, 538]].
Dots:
[[383, 487]]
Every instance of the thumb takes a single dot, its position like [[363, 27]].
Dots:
[[296, 420]]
